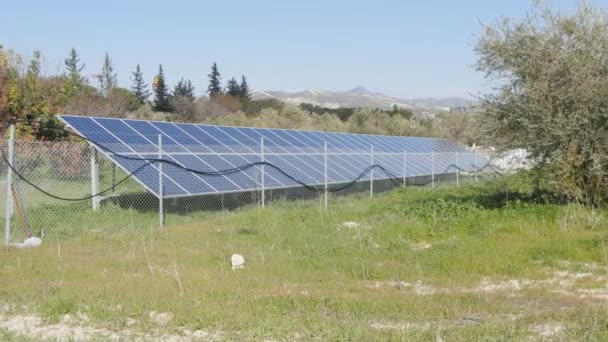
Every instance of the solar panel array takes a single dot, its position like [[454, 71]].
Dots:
[[300, 154]]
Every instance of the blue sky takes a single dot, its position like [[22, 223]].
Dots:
[[402, 48]]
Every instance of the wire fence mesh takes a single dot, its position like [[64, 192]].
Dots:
[[50, 173]]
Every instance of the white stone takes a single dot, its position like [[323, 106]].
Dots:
[[30, 242], [237, 261], [162, 318], [350, 224]]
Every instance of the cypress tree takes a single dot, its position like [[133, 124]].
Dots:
[[215, 86], [244, 89], [184, 88], [233, 88], [139, 87], [161, 94]]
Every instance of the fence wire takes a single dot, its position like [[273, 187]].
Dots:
[[64, 169]]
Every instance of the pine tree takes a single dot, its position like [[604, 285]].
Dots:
[[161, 94], [74, 69], [184, 88], [139, 87], [73, 80], [107, 78], [233, 88], [215, 86], [244, 89]]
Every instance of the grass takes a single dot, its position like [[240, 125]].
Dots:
[[414, 269]]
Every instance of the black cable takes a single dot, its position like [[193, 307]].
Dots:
[[66, 198], [221, 172], [235, 169], [396, 180], [212, 173]]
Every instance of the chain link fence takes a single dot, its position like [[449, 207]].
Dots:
[[54, 182]]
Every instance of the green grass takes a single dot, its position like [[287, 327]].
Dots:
[[307, 276]]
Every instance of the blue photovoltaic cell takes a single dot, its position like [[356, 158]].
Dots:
[[301, 154]]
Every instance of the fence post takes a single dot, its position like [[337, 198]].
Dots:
[[457, 171], [9, 183], [113, 178], [404, 169], [94, 178], [161, 209], [475, 159], [262, 176], [325, 162], [433, 170], [371, 178]]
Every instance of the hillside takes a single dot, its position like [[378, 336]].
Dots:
[[360, 97]]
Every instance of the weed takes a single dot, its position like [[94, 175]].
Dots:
[[308, 277]]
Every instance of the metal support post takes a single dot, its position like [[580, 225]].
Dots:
[[404, 169], [325, 173], [262, 176], [161, 209], [457, 171], [371, 178], [433, 170], [9, 183], [113, 178], [475, 159], [94, 178]]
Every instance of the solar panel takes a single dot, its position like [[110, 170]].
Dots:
[[301, 154]]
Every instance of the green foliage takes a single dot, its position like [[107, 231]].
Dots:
[[43, 97], [215, 85], [458, 126], [184, 88], [107, 79], [552, 94], [371, 121], [161, 92], [139, 87], [463, 264], [269, 113], [287, 117], [127, 99], [244, 91], [184, 107], [73, 68], [345, 113], [254, 107], [402, 112], [233, 88], [74, 80], [28, 100]]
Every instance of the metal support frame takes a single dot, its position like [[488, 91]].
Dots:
[[371, 173], [262, 175], [9, 183], [96, 200], [475, 158], [457, 171], [161, 209], [325, 162], [404, 169], [433, 170], [113, 178]]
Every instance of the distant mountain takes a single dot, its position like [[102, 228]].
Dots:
[[360, 97], [448, 102]]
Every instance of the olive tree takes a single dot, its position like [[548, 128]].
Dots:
[[550, 71]]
